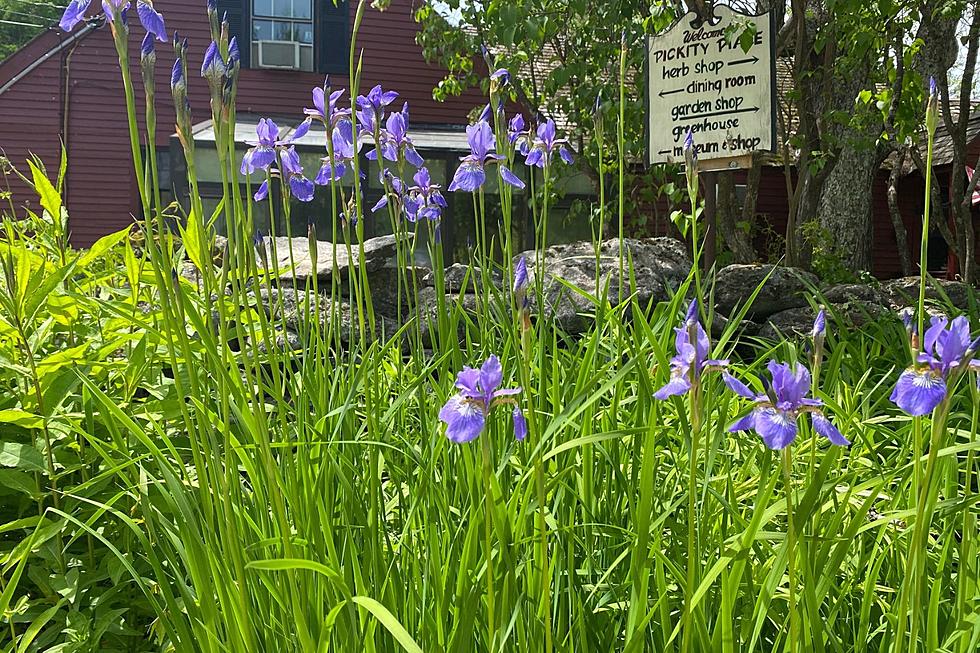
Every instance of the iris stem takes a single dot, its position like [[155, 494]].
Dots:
[[488, 539], [794, 626], [693, 555]]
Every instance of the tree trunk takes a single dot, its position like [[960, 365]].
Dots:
[[736, 239], [901, 234], [844, 208]]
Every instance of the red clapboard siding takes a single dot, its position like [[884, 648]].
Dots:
[[101, 188]]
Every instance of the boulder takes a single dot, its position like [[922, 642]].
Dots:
[[458, 274], [659, 266], [301, 267], [785, 288], [904, 292]]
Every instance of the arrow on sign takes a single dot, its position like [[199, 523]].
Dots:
[[678, 90], [667, 151], [717, 113], [752, 60]]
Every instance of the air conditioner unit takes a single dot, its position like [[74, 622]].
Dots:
[[279, 54]]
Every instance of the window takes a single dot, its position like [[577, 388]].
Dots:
[[284, 23]]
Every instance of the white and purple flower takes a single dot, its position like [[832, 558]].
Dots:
[[947, 350], [775, 414], [546, 144], [691, 359], [263, 151], [471, 174], [424, 200], [344, 152], [325, 106], [466, 412]]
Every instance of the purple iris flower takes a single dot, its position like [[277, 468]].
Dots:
[[262, 191], [325, 107], [690, 150], [263, 151], [234, 54], [395, 140], [775, 414], [396, 193], [485, 114], [691, 358], [501, 76], [947, 350], [372, 107], [299, 185], [465, 414], [544, 146], [820, 325], [147, 48], [932, 87], [471, 173], [424, 200], [177, 83], [521, 282], [152, 20], [518, 135], [343, 154], [213, 68]]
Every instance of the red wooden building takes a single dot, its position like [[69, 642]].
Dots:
[[67, 88]]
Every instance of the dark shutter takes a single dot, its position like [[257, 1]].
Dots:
[[239, 13], [332, 35]]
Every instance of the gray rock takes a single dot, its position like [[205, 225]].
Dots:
[[457, 275], [659, 266], [301, 267], [905, 292], [846, 293], [786, 288]]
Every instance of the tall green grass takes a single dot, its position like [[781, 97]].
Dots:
[[235, 494]]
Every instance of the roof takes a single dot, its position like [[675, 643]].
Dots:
[[447, 139]]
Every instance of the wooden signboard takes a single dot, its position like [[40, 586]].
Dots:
[[700, 77]]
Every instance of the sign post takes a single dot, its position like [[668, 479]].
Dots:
[[702, 78]]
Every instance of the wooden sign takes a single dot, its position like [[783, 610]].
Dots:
[[701, 77]]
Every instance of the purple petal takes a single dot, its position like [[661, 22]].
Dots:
[[820, 324], [546, 133], [491, 374], [381, 203], [737, 386], [501, 74], [301, 187], [918, 393], [535, 158], [506, 392], [936, 326], [566, 155], [388, 97], [520, 275], [468, 380], [301, 130], [413, 157], [262, 192], [520, 424], [463, 418], [291, 162], [826, 428], [481, 140], [318, 109], [469, 177], [745, 423], [677, 385], [777, 428], [152, 21], [510, 178], [74, 14]]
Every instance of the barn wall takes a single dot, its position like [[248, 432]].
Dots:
[[101, 190]]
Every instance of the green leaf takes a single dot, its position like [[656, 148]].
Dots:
[[21, 418], [50, 198], [391, 624], [17, 481], [21, 456], [192, 235], [101, 246]]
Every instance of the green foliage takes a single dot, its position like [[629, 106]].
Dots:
[[22, 20]]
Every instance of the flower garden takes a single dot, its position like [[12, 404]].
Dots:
[[177, 477]]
